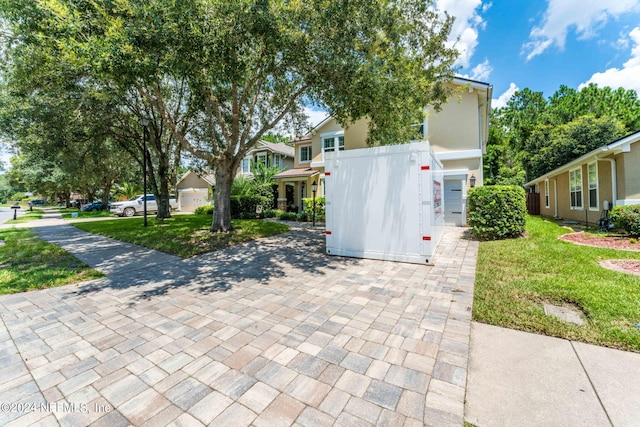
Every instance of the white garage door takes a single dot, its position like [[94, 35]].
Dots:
[[453, 202], [190, 200]]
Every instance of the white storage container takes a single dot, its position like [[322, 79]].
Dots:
[[384, 203]]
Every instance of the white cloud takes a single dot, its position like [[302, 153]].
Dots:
[[465, 27], [315, 116], [504, 98], [585, 16], [627, 76], [481, 71]]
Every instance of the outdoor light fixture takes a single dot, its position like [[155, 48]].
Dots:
[[314, 188], [472, 181], [144, 121]]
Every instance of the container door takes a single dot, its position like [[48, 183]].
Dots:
[[453, 202]]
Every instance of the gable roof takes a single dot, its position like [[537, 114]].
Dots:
[[620, 145], [208, 177], [293, 173], [274, 147]]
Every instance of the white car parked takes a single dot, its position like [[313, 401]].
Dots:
[[136, 204]]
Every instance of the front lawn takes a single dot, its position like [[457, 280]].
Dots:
[[516, 277], [28, 263], [182, 235], [26, 216], [67, 213]]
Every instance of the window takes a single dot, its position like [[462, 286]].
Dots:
[[262, 158], [593, 186], [305, 154], [575, 188], [546, 194], [246, 165], [331, 142]]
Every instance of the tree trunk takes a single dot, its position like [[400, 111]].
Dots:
[[106, 191], [164, 208], [222, 198]]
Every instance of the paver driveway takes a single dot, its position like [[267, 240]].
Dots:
[[272, 332]]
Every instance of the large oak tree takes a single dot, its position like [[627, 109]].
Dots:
[[252, 65]]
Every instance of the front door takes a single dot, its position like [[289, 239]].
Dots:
[[290, 192], [453, 202]]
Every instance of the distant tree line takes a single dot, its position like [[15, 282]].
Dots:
[[533, 135]]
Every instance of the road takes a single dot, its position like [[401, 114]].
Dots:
[[7, 213]]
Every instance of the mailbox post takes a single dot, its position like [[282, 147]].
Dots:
[[15, 211]]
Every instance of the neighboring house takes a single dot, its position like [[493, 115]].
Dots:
[[457, 134], [582, 189], [270, 154], [194, 190]]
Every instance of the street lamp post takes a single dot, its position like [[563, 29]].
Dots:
[[144, 121], [314, 187]]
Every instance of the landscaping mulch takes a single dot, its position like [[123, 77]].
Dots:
[[608, 242]]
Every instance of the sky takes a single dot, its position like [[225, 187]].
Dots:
[[542, 44]]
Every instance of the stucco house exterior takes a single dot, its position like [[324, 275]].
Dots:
[[583, 188], [194, 189], [457, 134], [270, 154]]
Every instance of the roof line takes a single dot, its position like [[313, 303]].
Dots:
[[627, 139]]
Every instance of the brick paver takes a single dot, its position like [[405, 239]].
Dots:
[[271, 332]]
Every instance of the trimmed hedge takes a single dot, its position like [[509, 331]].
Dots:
[[246, 205], [288, 216], [627, 218], [497, 211], [204, 210]]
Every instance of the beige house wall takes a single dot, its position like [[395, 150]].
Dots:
[[544, 210], [456, 126], [631, 174], [564, 195], [193, 181], [473, 165]]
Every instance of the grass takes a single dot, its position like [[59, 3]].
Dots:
[[516, 277], [26, 217], [182, 235], [28, 263], [67, 213]]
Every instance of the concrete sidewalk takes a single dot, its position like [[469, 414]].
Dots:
[[523, 379]]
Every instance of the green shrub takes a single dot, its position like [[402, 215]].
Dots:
[[627, 218], [320, 207], [302, 217], [498, 211], [271, 213], [249, 215], [247, 205], [288, 216], [204, 210], [17, 197]]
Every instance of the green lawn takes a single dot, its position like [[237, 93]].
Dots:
[[515, 277], [182, 235], [67, 213], [26, 217], [27, 263]]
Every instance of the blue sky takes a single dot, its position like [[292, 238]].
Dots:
[[542, 44]]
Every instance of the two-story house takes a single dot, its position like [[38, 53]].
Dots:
[[270, 154], [457, 134], [196, 188]]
